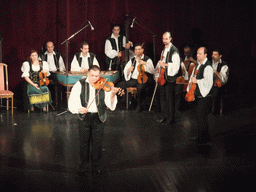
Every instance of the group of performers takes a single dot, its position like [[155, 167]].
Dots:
[[198, 76]]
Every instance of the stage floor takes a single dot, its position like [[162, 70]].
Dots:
[[40, 152]]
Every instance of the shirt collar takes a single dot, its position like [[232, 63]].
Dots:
[[112, 36], [88, 55], [46, 53], [204, 61], [220, 61]]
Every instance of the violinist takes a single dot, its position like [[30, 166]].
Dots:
[[82, 100], [221, 71], [83, 60], [131, 74], [38, 96], [203, 93], [171, 65]]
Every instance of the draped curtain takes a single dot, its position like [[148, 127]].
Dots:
[[230, 25]]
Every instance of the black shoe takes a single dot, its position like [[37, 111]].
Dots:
[[167, 122], [160, 120], [138, 109]]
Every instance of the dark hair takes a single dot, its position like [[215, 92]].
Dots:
[[84, 43], [217, 50], [116, 25], [94, 68], [138, 44]]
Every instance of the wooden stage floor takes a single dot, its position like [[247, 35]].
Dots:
[[40, 152]]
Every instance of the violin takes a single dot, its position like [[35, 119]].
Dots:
[[217, 81], [190, 95], [106, 86], [161, 79], [43, 79], [142, 77]]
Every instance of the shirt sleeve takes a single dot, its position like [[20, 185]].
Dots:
[[111, 53], [206, 83], [25, 69], [127, 66], [185, 70], [124, 42], [95, 62], [150, 67], [75, 65], [109, 104], [224, 73], [74, 101], [174, 66], [61, 64]]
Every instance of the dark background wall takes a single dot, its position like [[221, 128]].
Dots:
[[27, 24]]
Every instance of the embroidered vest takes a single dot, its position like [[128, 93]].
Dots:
[[34, 75], [100, 103]]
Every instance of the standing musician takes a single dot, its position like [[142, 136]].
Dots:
[[221, 73], [83, 60], [131, 73], [114, 47], [202, 93], [38, 96], [170, 61], [84, 100]]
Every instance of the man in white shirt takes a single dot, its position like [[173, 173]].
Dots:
[[114, 48], [90, 105], [203, 94], [170, 62], [221, 72], [83, 60], [131, 74]]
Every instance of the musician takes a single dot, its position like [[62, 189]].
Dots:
[[171, 63], [114, 47], [83, 60], [38, 96], [203, 93], [221, 71], [131, 74], [91, 128]]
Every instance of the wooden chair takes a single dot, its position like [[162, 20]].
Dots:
[[4, 89], [133, 91]]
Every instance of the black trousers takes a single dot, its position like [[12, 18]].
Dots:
[[91, 134], [167, 99], [203, 108]]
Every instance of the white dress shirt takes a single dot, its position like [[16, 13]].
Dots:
[[109, 51], [84, 65], [174, 66], [51, 62], [224, 71], [205, 84], [148, 68], [25, 68], [74, 101]]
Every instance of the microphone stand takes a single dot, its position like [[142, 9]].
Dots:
[[154, 37], [66, 60]]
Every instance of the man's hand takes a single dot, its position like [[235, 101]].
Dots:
[[130, 69], [83, 110], [142, 62], [193, 80], [127, 45], [162, 64], [119, 54]]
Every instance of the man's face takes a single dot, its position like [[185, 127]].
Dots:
[[85, 49], [50, 47], [166, 39], [200, 55], [187, 51], [34, 56], [138, 50], [93, 76], [216, 56], [116, 31]]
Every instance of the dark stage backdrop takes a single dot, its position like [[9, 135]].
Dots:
[[27, 24]]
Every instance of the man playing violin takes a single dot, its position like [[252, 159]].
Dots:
[[91, 104], [131, 73], [171, 63], [83, 60], [203, 93], [221, 71]]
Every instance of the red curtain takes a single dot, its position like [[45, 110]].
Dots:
[[28, 24]]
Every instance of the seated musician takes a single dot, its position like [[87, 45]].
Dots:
[[221, 73], [39, 96], [83, 60], [131, 73]]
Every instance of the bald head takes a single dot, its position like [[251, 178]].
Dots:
[[50, 47], [201, 54], [167, 38]]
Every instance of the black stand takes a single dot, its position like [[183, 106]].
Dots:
[[66, 60], [154, 37]]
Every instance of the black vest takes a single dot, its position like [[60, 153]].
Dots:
[[114, 47], [56, 59], [168, 59], [34, 75], [90, 59], [84, 96], [220, 65], [200, 75]]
